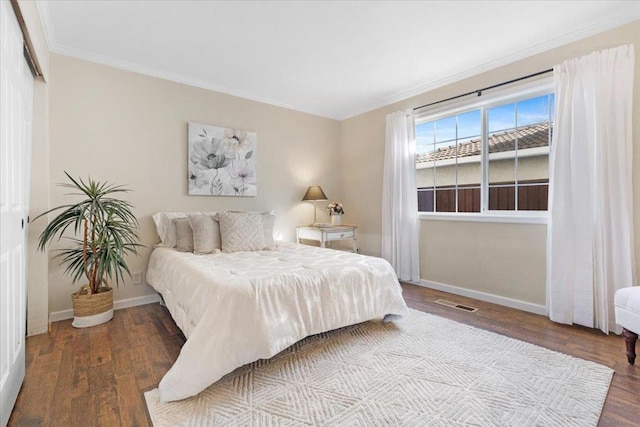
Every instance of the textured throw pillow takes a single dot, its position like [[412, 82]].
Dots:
[[241, 231], [184, 235], [268, 225], [206, 234]]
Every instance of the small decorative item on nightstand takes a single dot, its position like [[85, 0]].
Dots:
[[336, 211]]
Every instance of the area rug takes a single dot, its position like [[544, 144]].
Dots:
[[421, 370]]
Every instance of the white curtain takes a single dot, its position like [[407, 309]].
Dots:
[[400, 198], [590, 232]]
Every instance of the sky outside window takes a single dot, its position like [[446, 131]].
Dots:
[[533, 111], [529, 112], [502, 118], [444, 131]]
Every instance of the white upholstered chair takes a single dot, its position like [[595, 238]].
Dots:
[[627, 306]]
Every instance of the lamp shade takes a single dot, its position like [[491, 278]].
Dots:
[[314, 193]]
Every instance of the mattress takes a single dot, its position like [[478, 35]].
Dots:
[[239, 307]]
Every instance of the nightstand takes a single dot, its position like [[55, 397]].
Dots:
[[329, 234]]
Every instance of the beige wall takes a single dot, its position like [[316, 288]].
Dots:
[[132, 129], [485, 253], [520, 258], [38, 262]]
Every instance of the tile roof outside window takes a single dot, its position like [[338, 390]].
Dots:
[[533, 136]]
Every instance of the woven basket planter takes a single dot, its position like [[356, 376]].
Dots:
[[91, 309]]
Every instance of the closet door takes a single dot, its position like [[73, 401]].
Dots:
[[16, 98]]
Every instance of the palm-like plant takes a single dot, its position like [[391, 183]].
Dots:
[[107, 230]]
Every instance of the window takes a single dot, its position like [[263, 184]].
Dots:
[[489, 157]]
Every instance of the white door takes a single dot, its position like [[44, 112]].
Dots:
[[16, 98]]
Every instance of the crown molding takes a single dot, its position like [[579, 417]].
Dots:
[[54, 47], [585, 32], [178, 78]]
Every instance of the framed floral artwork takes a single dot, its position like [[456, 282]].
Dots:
[[222, 161]]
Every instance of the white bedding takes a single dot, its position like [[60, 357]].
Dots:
[[240, 307]]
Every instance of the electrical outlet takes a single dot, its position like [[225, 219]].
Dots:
[[136, 277]]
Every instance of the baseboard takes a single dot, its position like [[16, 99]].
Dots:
[[484, 296], [56, 316]]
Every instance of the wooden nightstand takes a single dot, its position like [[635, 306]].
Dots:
[[329, 234]]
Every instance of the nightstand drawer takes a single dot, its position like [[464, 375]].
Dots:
[[309, 233], [325, 235], [338, 235]]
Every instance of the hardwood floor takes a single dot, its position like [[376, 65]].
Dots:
[[97, 376]]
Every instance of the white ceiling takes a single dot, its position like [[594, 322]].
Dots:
[[334, 59]]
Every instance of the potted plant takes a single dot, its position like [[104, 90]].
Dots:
[[336, 211], [105, 232]]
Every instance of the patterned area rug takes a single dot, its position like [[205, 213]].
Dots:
[[422, 370]]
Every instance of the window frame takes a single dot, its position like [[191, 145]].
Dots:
[[514, 94]]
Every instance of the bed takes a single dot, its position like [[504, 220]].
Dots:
[[236, 308]]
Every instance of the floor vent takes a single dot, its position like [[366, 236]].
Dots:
[[456, 305]]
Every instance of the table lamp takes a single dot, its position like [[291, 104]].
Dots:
[[314, 193]]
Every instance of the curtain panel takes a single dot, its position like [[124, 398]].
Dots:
[[399, 197], [590, 231]]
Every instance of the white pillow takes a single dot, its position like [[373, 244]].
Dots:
[[241, 231], [167, 230]]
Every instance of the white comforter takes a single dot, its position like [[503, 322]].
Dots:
[[237, 308]]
